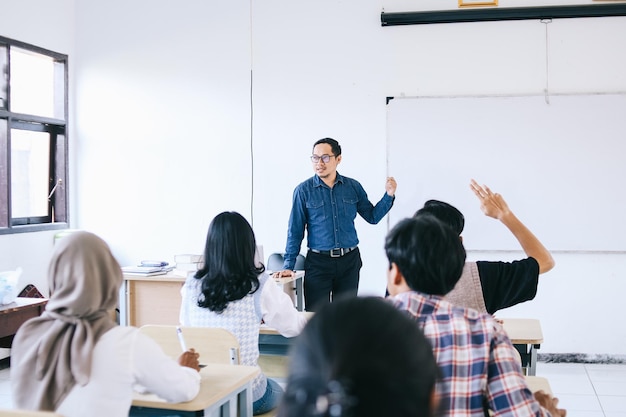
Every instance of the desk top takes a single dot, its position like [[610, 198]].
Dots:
[[218, 383], [21, 302], [285, 280], [520, 331], [537, 383], [265, 329], [169, 277], [523, 331]]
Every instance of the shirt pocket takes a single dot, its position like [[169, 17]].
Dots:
[[349, 206], [315, 211]]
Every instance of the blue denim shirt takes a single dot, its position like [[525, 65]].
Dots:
[[328, 215]]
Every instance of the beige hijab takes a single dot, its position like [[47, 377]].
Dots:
[[52, 353]]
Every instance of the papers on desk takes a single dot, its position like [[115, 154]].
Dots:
[[146, 271]]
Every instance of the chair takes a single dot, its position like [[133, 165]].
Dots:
[[28, 413], [215, 345], [276, 260]]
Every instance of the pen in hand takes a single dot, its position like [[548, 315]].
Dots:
[[181, 339], [189, 358]]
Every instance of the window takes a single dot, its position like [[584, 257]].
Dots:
[[33, 138]]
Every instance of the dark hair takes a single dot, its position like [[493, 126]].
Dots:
[[229, 272], [360, 357], [428, 253], [334, 145], [446, 213]]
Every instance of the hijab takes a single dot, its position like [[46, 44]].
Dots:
[[52, 353]]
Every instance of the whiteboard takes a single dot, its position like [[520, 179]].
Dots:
[[560, 163]]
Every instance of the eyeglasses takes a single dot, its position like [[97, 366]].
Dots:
[[325, 158]]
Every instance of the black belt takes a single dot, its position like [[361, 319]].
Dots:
[[335, 253]]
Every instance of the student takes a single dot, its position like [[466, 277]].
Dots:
[[360, 357], [325, 206], [492, 286], [480, 367], [231, 291], [74, 359]]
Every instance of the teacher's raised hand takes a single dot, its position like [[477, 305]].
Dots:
[[390, 186]]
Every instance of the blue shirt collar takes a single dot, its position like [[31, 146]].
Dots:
[[317, 181]]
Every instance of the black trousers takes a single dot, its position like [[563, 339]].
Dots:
[[327, 278]]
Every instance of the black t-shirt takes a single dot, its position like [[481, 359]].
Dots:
[[508, 283]]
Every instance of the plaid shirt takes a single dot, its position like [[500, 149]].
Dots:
[[479, 366]]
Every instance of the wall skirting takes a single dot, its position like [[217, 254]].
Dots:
[[581, 358]]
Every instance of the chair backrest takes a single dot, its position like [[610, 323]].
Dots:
[[276, 260], [300, 262], [215, 345], [28, 413]]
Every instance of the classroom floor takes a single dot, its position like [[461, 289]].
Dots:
[[585, 390]]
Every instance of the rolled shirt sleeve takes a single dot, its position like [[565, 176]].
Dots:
[[162, 375], [279, 312]]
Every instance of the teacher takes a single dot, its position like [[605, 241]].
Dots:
[[325, 206]]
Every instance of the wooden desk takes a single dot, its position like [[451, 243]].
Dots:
[[526, 336], [150, 300], [156, 299], [223, 389], [537, 383], [13, 315], [299, 288], [273, 343]]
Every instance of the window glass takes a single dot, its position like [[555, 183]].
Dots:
[[33, 138], [32, 83], [4, 75], [30, 171]]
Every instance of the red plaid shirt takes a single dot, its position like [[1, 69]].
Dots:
[[479, 366]]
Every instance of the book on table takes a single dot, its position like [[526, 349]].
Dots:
[[146, 271]]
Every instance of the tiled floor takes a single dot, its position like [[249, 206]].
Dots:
[[585, 390]]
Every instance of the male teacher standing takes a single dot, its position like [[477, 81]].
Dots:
[[325, 206]]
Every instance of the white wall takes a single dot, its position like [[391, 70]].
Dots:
[[162, 133], [163, 121]]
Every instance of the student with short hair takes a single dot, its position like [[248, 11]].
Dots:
[[479, 365], [360, 356], [74, 359], [492, 286], [232, 291]]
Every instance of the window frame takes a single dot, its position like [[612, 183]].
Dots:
[[58, 207]]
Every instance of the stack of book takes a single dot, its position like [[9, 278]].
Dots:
[[187, 264], [148, 268]]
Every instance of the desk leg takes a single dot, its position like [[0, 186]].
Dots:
[[244, 400], [236, 405], [123, 301], [528, 354], [299, 295], [532, 360], [226, 410]]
